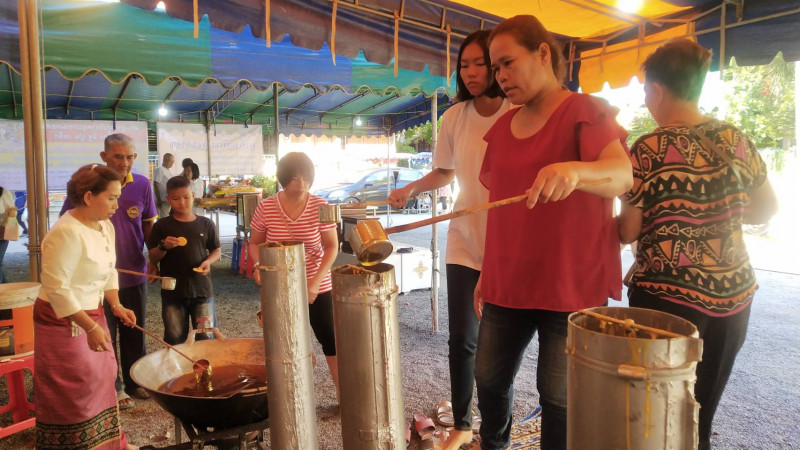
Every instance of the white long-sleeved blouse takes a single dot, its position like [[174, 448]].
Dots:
[[77, 265]]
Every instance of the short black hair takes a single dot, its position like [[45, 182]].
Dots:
[[178, 182], [293, 164], [186, 162], [480, 37], [680, 65], [195, 171]]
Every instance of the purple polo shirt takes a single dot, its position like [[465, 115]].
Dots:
[[136, 205]]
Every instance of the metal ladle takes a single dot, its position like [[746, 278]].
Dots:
[[167, 283], [201, 367], [371, 244]]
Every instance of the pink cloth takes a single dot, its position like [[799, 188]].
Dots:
[[558, 256], [74, 393]]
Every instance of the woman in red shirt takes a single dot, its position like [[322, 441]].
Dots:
[[558, 253]]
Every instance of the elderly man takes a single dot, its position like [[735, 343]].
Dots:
[[160, 177], [133, 222]]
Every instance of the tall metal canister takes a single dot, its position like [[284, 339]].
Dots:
[[368, 349], [630, 389], [287, 346]]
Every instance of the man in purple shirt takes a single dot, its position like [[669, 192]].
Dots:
[[133, 222]]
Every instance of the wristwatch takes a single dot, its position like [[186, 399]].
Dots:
[[161, 245]]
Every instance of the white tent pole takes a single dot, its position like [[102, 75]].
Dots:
[[434, 230]]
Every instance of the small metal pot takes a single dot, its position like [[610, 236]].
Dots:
[[168, 283], [370, 243]]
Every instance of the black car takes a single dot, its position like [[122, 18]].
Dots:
[[374, 185]]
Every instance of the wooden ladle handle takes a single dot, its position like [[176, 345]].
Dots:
[[163, 342], [133, 272], [371, 203], [490, 205]]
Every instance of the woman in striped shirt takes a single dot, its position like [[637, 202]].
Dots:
[[293, 215]]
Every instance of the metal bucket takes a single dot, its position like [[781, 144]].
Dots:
[[369, 242], [631, 392], [330, 214], [368, 349]]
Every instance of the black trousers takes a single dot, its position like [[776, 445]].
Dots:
[[722, 339], [463, 327], [320, 314], [131, 340]]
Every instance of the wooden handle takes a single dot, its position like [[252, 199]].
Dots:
[[371, 203], [490, 205], [132, 272], [633, 324], [163, 342]]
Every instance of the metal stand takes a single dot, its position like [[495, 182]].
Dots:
[[198, 438]]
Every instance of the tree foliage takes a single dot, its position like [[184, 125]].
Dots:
[[760, 101], [416, 139]]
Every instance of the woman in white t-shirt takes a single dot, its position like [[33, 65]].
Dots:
[[459, 153], [198, 186]]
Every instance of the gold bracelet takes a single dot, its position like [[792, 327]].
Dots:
[[96, 325]]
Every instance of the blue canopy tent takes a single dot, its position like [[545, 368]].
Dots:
[[112, 61]]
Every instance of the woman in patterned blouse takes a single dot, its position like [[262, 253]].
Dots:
[[686, 210]]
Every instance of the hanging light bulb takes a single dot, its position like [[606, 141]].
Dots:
[[162, 111], [630, 6], [358, 121]]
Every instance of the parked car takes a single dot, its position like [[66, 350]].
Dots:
[[374, 185]]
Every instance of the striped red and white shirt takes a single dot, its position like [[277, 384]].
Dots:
[[271, 219]]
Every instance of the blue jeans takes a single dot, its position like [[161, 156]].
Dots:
[[176, 314], [503, 337]]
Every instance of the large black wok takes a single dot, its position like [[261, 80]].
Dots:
[[242, 408]]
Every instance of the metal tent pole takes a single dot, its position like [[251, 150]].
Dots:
[[435, 229], [35, 163]]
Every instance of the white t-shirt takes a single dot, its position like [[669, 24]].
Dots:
[[198, 189], [460, 146], [160, 176]]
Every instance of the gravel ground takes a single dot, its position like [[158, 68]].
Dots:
[[760, 408]]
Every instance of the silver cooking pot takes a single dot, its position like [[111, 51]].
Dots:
[[241, 408]]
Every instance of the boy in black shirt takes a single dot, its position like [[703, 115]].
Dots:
[[185, 246]]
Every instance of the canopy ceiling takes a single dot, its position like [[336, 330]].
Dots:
[[755, 30], [112, 61], [117, 61]]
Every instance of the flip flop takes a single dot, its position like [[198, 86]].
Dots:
[[424, 426], [440, 437], [444, 414], [124, 401]]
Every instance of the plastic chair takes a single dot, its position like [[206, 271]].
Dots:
[[18, 403]]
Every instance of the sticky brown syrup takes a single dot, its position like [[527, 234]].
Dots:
[[224, 381]]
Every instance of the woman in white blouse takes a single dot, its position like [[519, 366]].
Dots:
[[74, 392]]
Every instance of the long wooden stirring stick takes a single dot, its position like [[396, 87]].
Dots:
[[490, 205], [632, 324]]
